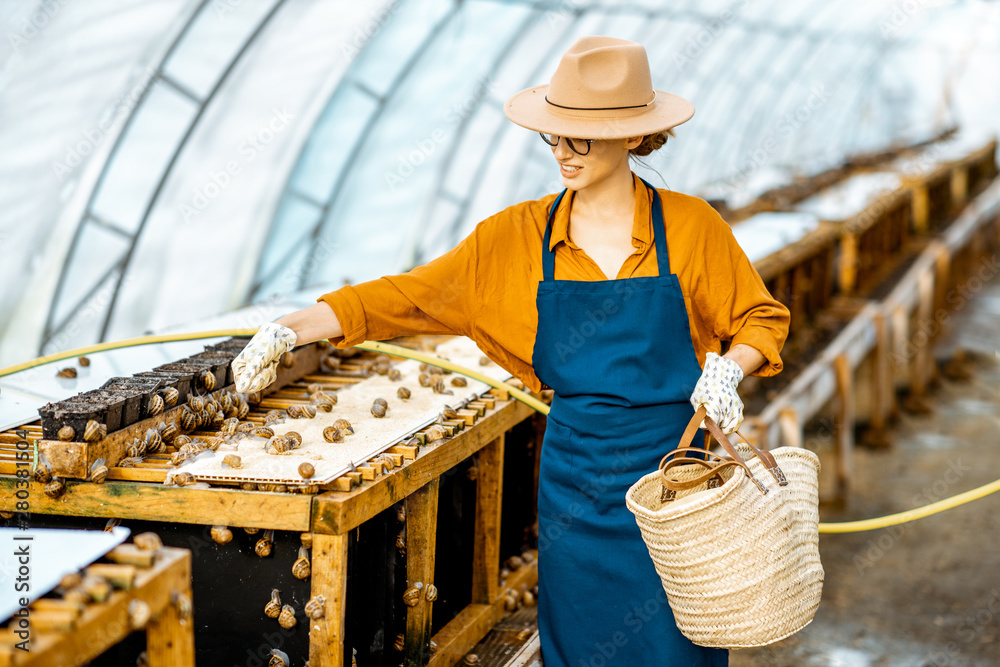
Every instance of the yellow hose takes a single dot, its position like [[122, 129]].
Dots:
[[524, 397]]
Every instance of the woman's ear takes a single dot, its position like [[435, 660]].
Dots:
[[633, 142]]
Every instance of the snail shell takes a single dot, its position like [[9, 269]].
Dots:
[[286, 618], [207, 379], [273, 608], [294, 438], [148, 541], [229, 426], [42, 474], [251, 531], [232, 460], [168, 432], [277, 414], [403, 393], [218, 419], [308, 411], [333, 434], [67, 373], [279, 444], [307, 540], [306, 470], [314, 387], [196, 403], [55, 488], [423, 366], [378, 409], [139, 614], [188, 420], [424, 379], [132, 449], [301, 568], [67, 433], [83, 361], [395, 375], [435, 433], [248, 486], [184, 479], [325, 405], [183, 603], [439, 387], [278, 658], [448, 413], [182, 440], [412, 595], [528, 599], [382, 369], [271, 420], [400, 643], [212, 405], [153, 441], [156, 405], [243, 411], [222, 534], [459, 382], [431, 593], [177, 458], [170, 396], [129, 462], [484, 361], [314, 608], [205, 418], [263, 432], [98, 472], [344, 426], [294, 411], [94, 431], [214, 443], [323, 396], [246, 427], [288, 359], [226, 401], [263, 547]]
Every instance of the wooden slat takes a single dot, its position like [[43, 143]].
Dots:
[[339, 512], [104, 624], [135, 500], [421, 536], [329, 579], [486, 545]]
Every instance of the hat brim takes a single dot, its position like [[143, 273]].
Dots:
[[529, 109]]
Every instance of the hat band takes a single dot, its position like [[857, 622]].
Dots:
[[633, 106]]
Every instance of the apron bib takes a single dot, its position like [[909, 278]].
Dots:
[[618, 355]]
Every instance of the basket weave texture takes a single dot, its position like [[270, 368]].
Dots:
[[740, 568]]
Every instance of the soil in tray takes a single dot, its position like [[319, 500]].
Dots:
[[799, 351], [70, 413], [136, 392], [179, 381]]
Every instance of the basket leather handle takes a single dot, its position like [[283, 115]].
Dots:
[[713, 470]]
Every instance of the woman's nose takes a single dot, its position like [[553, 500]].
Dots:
[[561, 151]]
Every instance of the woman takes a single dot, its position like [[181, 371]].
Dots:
[[576, 292]]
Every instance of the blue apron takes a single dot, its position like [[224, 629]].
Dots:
[[618, 355]]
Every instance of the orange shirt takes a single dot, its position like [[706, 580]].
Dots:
[[485, 287]]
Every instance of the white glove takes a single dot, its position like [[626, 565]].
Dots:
[[716, 390], [257, 365]]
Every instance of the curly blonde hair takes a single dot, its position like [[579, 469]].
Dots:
[[652, 142]]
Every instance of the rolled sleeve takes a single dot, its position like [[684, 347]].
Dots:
[[350, 312]]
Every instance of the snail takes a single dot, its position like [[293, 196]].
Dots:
[[309, 489], [213, 443], [307, 540], [264, 432], [184, 479], [129, 462], [217, 419], [205, 418], [83, 361], [246, 427], [188, 420], [196, 403], [379, 408], [94, 431], [333, 434], [273, 608], [403, 393], [323, 396], [135, 448], [226, 402], [528, 599], [139, 614], [67, 373], [448, 414], [42, 474], [156, 405], [395, 375], [459, 382], [279, 444], [251, 531], [153, 441], [243, 411], [314, 387], [232, 460], [294, 411], [207, 379], [412, 595], [430, 593], [314, 608], [55, 488], [221, 534], [67, 433], [400, 643], [147, 541], [484, 361], [308, 411], [167, 431], [183, 603], [278, 658], [424, 379], [344, 426], [98, 472], [439, 387], [229, 426], [423, 366], [264, 544], [435, 433], [300, 568], [212, 405], [295, 438], [170, 396], [248, 486], [288, 359], [306, 470], [325, 405], [286, 618], [182, 440]]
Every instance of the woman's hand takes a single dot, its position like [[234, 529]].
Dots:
[[716, 390], [257, 365]]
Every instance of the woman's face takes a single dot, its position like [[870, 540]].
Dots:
[[605, 158]]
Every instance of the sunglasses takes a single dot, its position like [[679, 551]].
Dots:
[[578, 146]]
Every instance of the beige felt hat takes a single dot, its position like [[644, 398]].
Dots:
[[602, 89]]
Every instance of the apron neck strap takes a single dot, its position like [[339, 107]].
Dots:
[[658, 228]]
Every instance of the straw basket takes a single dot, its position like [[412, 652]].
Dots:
[[739, 560]]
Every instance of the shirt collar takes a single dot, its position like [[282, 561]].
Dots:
[[641, 224]]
